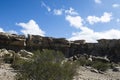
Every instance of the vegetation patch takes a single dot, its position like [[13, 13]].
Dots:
[[99, 65], [45, 65]]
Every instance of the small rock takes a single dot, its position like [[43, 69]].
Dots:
[[116, 69], [25, 53], [94, 70]]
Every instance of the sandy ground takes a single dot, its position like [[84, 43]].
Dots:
[[86, 74], [6, 72]]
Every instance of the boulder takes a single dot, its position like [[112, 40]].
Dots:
[[25, 53], [94, 70], [98, 58], [116, 69], [5, 53]]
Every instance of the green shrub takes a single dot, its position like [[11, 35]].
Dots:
[[81, 61], [101, 66], [17, 62], [46, 65]]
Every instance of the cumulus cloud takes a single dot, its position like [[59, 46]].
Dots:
[[84, 32], [58, 11], [1, 30], [98, 1], [106, 17], [116, 5], [89, 34], [47, 7], [12, 32], [71, 11], [9, 31], [75, 21], [31, 28]]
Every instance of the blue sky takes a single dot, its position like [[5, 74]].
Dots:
[[71, 19]]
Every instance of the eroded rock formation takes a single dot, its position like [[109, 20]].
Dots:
[[104, 47], [11, 41]]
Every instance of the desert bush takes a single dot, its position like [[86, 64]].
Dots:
[[46, 65], [18, 64], [82, 61], [101, 66]]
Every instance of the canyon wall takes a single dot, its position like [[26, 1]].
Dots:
[[104, 47]]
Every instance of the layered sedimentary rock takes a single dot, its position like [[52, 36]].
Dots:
[[45, 42], [108, 48], [38, 42], [11, 41]]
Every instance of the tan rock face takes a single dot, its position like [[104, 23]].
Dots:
[[46, 42], [24, 53], [34, 40], [12, 39], [4, 53], [110, 48]]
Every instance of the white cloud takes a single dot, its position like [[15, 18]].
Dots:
[[12, 32], [118, 20], [93, 19], [75, 21], [1, 30], [47, 7], [31, 28], [107, 17], [88, 34], [116, 5], [71, 11], [98, 1], [91, 36], [58, 11]]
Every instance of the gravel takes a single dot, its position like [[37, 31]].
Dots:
[[86, 74], [6, 72]]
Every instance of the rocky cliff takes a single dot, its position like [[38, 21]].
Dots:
[[104, 47], [12, 41]]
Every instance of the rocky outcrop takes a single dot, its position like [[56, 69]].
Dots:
[[24, 53], [11, 41], [5, 53], [104, 47], [38, 42]]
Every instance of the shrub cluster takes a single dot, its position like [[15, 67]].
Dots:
[[45, 65], [99, 65]]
